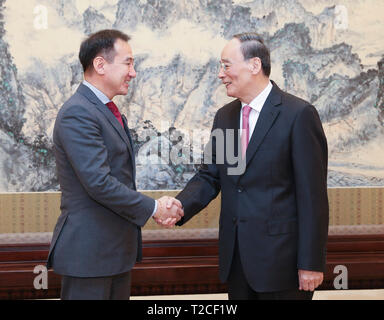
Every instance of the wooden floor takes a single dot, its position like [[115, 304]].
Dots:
[[319, 295]]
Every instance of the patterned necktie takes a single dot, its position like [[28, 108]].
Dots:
[[111, 106], [245, 132]]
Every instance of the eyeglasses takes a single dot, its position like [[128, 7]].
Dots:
[[224, 66]]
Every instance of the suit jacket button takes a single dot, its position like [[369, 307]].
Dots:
[[240, 190]]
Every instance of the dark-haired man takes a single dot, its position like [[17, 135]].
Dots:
[[274, 214], [97, 238]]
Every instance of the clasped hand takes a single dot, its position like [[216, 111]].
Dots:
[[169, 211]]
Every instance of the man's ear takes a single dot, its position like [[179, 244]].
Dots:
[[256, 65], [99, 65]]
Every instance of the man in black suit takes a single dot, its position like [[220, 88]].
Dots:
[[97, 238], [274, 214]]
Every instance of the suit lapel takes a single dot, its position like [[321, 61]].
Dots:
[[85, 91], [131, 144], [267, 117], [234, 124], [231, 124], [264, 123]]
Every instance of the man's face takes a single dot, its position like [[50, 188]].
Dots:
[[235, 72], [120, 71]]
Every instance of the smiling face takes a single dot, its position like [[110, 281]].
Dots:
[[119, 72], [235, 73]]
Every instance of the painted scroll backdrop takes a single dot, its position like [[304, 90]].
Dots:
[[328, 52]]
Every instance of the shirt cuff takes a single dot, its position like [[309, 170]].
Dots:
[[154, 210]]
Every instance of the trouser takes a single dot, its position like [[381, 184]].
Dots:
[[117, 287], [239, 289]]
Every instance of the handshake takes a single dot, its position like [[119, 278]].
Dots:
[[169, 211]]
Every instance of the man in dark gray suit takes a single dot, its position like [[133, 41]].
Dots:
[[274, 214], [97, 238]]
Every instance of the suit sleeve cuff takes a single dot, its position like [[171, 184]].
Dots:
[[155, 209]]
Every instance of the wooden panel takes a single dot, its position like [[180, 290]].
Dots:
[[187, 267]]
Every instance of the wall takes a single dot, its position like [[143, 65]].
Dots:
[[31, 217], [326, 51]]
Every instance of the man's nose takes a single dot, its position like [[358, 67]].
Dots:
[[221, 74], [132, 72]]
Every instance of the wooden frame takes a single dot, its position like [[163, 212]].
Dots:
[[189, 267]]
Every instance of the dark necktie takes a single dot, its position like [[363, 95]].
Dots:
[[111, 106]]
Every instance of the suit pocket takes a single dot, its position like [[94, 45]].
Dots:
[[282, 227]]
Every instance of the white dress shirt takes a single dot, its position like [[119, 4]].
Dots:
[[256, 106]]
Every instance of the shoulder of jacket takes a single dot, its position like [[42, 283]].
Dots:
[[229, 106], [76, 103], [294, 101]]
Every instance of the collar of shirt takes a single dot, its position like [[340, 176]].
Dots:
[[258, 102], [101, 96], [256, 105]]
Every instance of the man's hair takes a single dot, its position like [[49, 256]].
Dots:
[[100, 43], [252, 45]]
